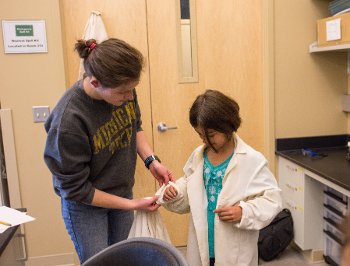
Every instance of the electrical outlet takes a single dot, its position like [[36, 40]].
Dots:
[[40, 113]]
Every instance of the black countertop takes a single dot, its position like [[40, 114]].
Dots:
[[333, 167]]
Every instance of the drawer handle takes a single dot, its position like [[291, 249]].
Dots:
[[291, 187], [291, 168]]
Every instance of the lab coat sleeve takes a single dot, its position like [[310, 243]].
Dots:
[[259, 210], [180, 203]]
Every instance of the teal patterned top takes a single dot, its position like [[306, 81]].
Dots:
[[212, 176]]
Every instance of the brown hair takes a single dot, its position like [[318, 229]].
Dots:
[[112, 62], [214, 110]]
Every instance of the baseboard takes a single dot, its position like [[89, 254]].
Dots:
[[312, 256], [66, 259]]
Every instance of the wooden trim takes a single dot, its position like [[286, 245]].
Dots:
[[268, 81], [10, 158]]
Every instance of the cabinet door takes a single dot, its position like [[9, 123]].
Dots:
[[291, 179], [303, 196]]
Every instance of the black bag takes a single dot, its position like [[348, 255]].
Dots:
[[276, 237]]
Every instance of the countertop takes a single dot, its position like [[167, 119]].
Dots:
[[334, 167]]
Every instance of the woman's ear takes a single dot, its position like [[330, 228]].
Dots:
[[94, 82]]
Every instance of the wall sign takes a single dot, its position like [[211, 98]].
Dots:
[[24, 36]]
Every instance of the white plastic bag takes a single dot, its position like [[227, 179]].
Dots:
[[150, 224]]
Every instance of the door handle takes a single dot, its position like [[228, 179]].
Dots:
[[162, 127]]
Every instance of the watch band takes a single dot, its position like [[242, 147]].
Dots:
[[150, 159]]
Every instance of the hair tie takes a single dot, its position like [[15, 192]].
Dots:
[[92, 46]]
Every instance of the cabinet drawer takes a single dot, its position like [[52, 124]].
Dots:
[[332, 227], [335, 202], [293, 190], [336, 194], [332, 249], [292, 172], [333, 214], [291, 180]]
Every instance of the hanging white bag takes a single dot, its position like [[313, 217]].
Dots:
[[94, 29]]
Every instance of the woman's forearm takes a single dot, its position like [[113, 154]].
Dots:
[[106, 200], [143, 148]]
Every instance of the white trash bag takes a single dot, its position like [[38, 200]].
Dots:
[[150, 224]]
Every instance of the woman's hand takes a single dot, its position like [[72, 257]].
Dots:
[[145, 204], [231, 214], [169, 193], [161, 173]]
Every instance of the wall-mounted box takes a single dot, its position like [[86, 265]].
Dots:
[[333, 30], [345, 101]]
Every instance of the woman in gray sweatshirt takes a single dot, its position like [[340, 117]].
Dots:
[[94, 134]]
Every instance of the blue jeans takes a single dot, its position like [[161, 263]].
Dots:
[[93, 229]]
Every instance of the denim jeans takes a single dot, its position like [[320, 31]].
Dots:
[[92, 229]]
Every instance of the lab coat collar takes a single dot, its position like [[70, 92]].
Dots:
[[241, 148]]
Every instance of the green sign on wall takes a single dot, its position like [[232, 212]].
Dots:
[[24, 30], [24, 36]]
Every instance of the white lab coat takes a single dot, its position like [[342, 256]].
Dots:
[[247, 181]]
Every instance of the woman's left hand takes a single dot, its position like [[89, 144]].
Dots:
[[161, 173], [231, 214]]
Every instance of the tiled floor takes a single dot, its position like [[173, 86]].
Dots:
[[290, 257]]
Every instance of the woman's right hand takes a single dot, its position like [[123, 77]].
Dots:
[[145, 204], [169, 193]]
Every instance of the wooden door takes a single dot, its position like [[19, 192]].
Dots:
[[123, 19], [229, 49], [229, 46]]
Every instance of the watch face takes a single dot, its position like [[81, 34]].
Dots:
[[150, 159]]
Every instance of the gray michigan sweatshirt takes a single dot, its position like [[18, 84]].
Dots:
[[91, 144]]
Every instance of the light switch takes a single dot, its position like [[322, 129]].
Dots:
[[40, 113]]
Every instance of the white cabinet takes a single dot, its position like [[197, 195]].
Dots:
[[303, 196]]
